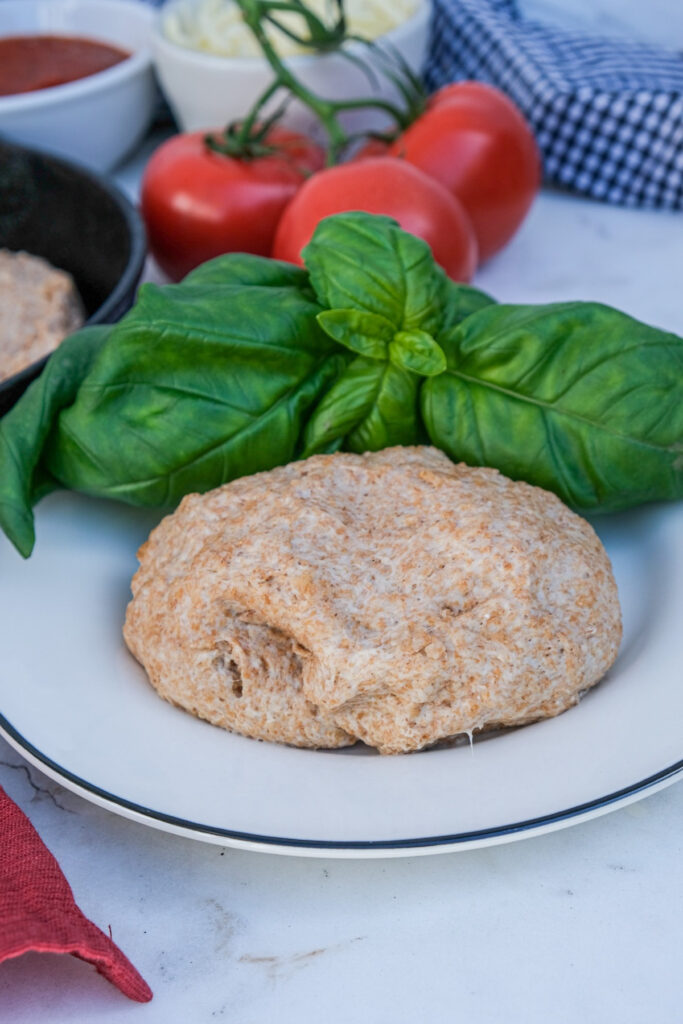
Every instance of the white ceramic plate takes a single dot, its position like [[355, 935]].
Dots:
[[77, 705]]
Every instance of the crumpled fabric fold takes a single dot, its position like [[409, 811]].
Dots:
[[607, 113], [38, 911]]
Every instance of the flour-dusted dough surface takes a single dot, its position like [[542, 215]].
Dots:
[[392, 597], [39, 306]]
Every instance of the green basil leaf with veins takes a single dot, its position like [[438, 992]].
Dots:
[[366, 334], [367, 262], [244, 268], [574, 397], [196, 386], [372, 405], [348, 402], [460, 301], [26, 427], [418, 352], [394, 416]]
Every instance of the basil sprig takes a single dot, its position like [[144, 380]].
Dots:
[[386, 298], [249, 363]]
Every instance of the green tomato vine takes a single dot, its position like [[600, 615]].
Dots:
[[248, 139]]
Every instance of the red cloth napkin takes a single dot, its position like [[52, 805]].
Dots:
[[38, 912]]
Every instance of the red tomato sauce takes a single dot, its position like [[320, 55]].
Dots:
[[28, 63]]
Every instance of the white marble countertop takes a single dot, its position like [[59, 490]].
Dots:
[[582, 925]]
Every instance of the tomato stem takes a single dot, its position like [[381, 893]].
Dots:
[[242, 138]]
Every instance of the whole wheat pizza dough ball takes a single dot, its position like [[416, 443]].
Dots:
[[39, 307], [391, 597]]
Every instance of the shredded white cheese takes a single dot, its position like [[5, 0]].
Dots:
[[216, 26]]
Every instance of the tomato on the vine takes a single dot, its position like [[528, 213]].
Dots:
[[475, 141], [198, 203], [389, 186]]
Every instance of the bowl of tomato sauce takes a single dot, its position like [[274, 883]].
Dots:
[[76, 77]]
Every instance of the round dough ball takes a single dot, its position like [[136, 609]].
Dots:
[[391, 597]]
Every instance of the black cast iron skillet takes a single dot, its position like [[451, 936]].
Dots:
[[76, 220]]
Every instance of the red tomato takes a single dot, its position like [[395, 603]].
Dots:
[[475, 141], [372, 147], [197, 203], [389, 186]]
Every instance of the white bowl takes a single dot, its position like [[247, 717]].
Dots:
[[95, 120], [208, 91]]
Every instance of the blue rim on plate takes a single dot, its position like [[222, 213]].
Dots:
[[514, 830]]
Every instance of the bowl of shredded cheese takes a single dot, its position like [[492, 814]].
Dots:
[[211, 68]]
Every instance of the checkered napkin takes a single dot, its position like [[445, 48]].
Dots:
[[607, 115], [38, 912]]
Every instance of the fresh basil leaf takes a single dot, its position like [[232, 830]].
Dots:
[[371, 406], [196, 386], [25, 428], [366, 334], [348, 402], [366, 262], [393, 418], [418, 352], [247, 269], [460, 301], [574, 397]]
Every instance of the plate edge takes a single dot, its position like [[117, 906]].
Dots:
[[339, 848]]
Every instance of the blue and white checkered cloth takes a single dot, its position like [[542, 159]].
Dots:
[[607, 114]]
